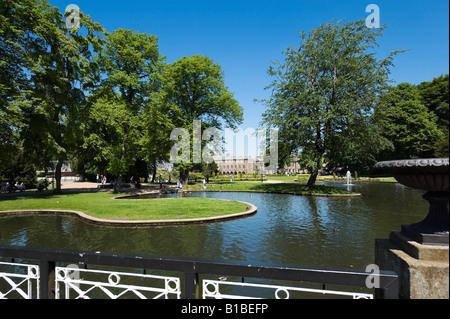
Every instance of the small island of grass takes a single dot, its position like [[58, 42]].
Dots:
[[100, 206]]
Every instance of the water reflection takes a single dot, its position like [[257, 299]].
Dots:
[[310, 231]]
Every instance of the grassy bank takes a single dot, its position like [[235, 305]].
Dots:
[[268, 187], [101, 205], [303, 178]]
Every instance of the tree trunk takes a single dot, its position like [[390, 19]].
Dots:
[[184, 176], [154, 172], [118, 184], [312, 179], [58, 174]]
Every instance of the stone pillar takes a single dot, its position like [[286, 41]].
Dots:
[[423, 269]]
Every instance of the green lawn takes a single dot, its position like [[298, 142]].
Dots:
[[101, 205], [386, 179], [303, 178], [268, 187]]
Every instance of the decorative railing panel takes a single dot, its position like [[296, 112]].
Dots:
[[224, 290], [19, 281], [73, 283]]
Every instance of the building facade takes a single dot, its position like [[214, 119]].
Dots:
[[234, 165], [293, 167]]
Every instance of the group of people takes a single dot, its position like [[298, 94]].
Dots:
[[101, 179], [137, 182], [6, 187], [180, 185]]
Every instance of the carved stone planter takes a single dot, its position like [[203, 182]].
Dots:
[[429, 175]]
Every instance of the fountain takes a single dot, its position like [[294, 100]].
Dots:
[[420, 252], [349, 178]]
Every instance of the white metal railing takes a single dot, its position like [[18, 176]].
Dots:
[[113, 285], [22, 281], [73, 282], [213, 289], [262, 280]]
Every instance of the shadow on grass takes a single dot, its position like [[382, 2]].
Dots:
[[46, 195]]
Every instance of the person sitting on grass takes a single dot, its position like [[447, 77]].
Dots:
[[10, 188]]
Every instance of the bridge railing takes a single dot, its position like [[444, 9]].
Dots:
[[72, 274]]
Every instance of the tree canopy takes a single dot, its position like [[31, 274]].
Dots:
[[325, 90], [108, 102], [435, 96], [193, 89], [128, 69], [406, 123], [55, 60]]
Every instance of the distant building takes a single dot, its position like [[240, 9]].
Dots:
[[293, 167], [233, 165], [164, 166]]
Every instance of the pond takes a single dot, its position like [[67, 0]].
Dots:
[[287, 229]]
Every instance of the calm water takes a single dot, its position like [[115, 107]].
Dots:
[[287, 229]]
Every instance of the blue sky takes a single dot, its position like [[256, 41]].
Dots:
[[244, 36]]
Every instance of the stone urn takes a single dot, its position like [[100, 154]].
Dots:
[[429, 175]]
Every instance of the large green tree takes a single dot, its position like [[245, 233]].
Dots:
[[129, 67], [358, 146], [17, 23], [409, 125], [155, 142], [193, 89], [435, 96], [324, 91], [55, 60], [18, 20]]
